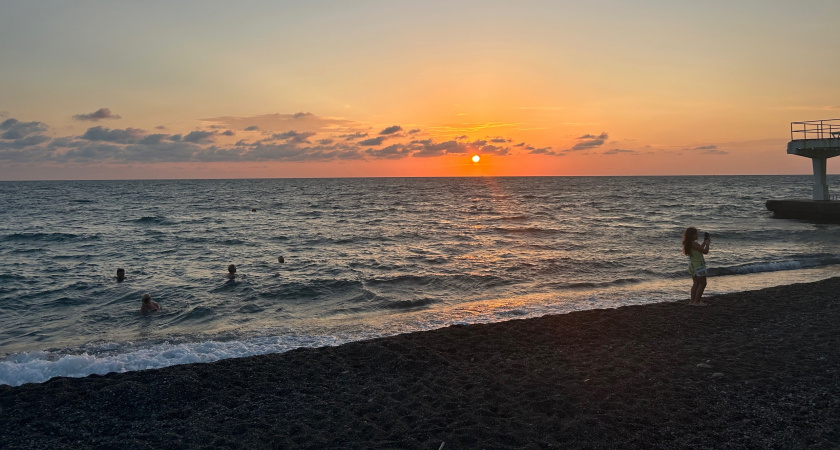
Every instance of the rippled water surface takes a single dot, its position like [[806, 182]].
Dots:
[[363, 258]]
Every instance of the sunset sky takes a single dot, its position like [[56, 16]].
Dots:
[[219, 89]]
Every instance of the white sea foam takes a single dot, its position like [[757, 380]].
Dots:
[[37, 367], [770, 267]]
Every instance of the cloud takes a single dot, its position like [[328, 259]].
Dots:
[[461, 128], [303, 122], [294, 136], [709, 150], [428, 148], [592, 136], [199, 137], [24, 142], [66, 142], [15, 129], [585, 145], [391, 130], [588, 141], [616, 151], [99, 114], [153, 139], [276, 152], [544, 151], [216, 154], [163, 152], [93, 152], [373, 141], [395, 151], [350, 137], [126, 136], [494, 150], [320, 139]]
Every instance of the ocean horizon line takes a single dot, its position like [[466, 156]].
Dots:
[[422, 177]]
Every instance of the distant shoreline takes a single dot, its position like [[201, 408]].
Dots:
[[757, 368]]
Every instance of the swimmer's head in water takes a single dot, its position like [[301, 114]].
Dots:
[[120, 273], [147, 298], [281, 259], [232, 268]]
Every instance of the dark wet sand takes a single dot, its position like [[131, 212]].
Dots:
[[621, 378]]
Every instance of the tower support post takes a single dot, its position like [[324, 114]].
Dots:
[[820, 182]]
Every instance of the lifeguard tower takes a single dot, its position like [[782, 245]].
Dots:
[[818, 140]]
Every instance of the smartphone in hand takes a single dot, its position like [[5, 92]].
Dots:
[[706, 236]]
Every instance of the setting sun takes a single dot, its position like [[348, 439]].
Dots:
[[476, 158]]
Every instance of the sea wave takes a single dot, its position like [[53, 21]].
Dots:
[[775, 266], [527, 230], [461, 282], [409, 304], [595, 285], [49, 237], [37, 367], [152, 220]]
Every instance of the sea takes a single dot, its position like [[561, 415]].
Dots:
[[363, 258]]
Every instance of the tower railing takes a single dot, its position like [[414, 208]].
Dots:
[[815, 129]]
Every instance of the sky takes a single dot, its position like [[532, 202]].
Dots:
[[126, 89]]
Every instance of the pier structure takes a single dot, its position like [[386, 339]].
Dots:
[[818, 140]]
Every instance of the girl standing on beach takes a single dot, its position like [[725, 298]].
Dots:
[[697, 264]]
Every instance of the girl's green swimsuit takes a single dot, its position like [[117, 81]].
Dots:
[[695, 261]]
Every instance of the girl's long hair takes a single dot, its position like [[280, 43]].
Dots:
[[689, 237]]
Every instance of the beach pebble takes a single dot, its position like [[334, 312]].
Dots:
[[717, 375], [704, 366]]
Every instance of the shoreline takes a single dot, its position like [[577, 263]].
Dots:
[[40, 365], [755, 369]]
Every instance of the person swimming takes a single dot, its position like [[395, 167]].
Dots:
[[281, 259], [120, 274], [148, 305], [231, 272]]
